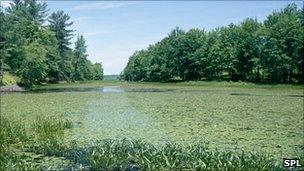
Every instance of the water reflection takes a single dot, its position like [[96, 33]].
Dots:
[[105, 89], [119, 89], [112, 89]]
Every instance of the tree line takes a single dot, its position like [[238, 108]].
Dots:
[[36, 46], [269, 51]]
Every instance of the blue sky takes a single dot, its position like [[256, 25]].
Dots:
[[114, 30]]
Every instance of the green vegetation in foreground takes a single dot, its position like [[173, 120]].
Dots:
[[199, 125], [46, 149]]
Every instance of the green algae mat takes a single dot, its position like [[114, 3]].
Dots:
[[264, 118]]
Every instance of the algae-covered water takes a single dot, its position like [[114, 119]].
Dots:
[[232, 116]]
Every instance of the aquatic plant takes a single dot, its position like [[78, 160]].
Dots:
[[116, 154], [242, 125], [44, 137]]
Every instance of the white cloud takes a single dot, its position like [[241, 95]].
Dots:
[[100, 6], [5, 4]]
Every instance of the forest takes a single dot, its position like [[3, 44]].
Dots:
[[35, 46], [271, 51]]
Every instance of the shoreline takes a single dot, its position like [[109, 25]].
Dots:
[[11, 88]]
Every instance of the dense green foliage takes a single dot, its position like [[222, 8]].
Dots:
[[84, 70], [37, 51], [271, 51]]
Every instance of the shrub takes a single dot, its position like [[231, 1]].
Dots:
[[10, 79]]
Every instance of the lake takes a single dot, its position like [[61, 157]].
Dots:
[[224, 115]]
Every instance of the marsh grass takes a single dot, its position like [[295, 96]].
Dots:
[[51, 126], [44, 137], [135, 154], [119, 154], [11, 132], [49, 134]]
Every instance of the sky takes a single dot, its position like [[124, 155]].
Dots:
[[114, 30]]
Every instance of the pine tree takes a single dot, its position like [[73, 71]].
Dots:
[[59, 23]]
